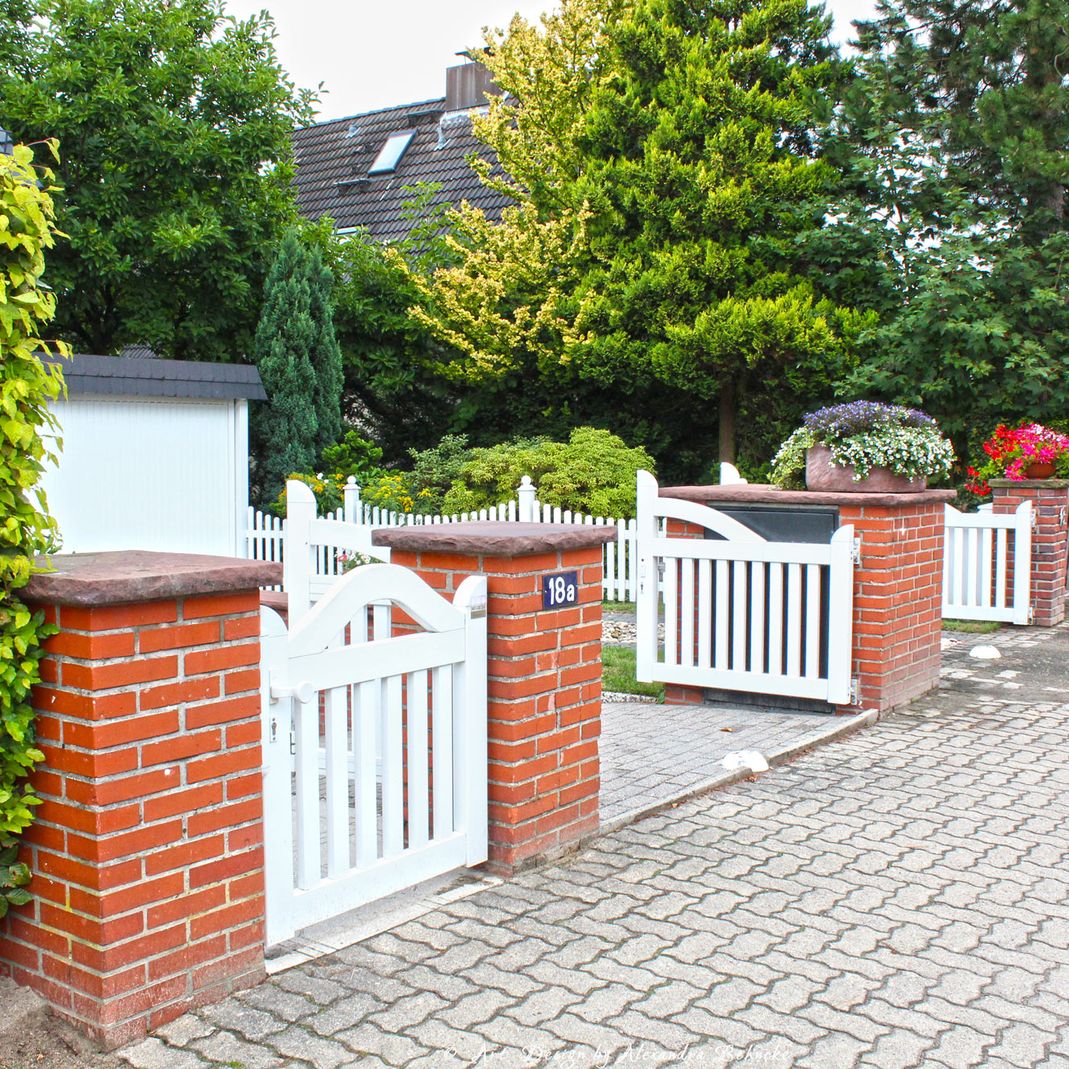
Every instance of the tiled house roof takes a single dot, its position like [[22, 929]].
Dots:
[[333, 160]]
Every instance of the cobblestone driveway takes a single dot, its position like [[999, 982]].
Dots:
[[899, 898]]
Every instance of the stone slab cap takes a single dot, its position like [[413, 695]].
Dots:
[[494, 539], [1030, 484], [759, 494], [124, 576]]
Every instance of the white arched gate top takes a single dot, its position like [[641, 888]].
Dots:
[[374, 741], [741, 613]]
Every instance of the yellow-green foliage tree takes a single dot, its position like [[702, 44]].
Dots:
[[27, 228]]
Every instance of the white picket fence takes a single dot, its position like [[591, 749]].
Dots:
[[266, 534], [987, 563]]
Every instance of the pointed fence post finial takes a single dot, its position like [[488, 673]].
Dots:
[[526, 496]]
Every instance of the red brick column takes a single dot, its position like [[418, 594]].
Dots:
[[898, 585], [147, 849], [898, 595], [544, 672], [1050, 540]]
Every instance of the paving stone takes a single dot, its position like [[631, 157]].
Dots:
[[247, 1021], [184, 1030], [153, 1053], [227, 1049]]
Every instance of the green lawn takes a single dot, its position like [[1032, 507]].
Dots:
[[617, 606], [618, 673], [972, 627]]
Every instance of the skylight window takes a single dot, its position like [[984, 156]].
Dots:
[[390, 155]]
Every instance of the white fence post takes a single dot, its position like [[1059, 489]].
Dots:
[[352, 500], [729, 475], [297, 567], [526, 497]]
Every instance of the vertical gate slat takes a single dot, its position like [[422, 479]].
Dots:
[[720, 657], [393, 835], [812, 622], [794, 623], [757, 617], [365, 743], [418, 785], [671, 611], [336, 739], [309, 848], [686, 609], [442, 753], [705, 613], [775, 619], [986, 541], [738, 617]]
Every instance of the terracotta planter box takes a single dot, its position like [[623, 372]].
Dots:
[[822, 473]]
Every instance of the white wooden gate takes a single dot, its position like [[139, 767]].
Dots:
[[742, 613], [987, 564], [385, 784]]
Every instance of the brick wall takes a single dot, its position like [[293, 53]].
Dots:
[[147, 849], [1050, 540], [543, 685]]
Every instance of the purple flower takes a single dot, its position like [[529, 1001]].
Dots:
[[859, 417]]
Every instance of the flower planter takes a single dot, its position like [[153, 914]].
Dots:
[[1039, 469], [822, 473]]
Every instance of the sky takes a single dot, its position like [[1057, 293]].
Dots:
[[372, 55]]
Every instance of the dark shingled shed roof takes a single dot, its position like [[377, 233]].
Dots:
[[333, 159], [125, 376]]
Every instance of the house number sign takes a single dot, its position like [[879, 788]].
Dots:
[[560, 590]]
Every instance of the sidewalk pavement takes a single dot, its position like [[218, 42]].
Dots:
[[897, 898]]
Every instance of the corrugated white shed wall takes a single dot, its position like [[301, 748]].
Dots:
[[169, 475]]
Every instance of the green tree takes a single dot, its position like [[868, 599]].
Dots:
[[955, 138], [300, 366], [175, 123], [27, 430], [392, 385], [664, 162]]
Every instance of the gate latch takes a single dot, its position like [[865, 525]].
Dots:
[[274, 729], [303, 692]]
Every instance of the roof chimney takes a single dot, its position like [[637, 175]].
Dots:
[[467, 86]]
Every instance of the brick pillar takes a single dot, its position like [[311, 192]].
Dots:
[[147, 849], [898, 594], [544, 672], [1050, 540], [898, 586]]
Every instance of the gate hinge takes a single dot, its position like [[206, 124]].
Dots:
[[855, 551], [855, 690], [1031, 614]]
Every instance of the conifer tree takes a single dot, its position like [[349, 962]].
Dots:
[[300, 366], [664, 158]]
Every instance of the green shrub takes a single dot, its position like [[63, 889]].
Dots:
[[593, 472], [26, 386]]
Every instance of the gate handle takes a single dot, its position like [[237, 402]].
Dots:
[[303, 692]]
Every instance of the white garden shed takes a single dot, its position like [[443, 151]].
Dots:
[[155, 455]]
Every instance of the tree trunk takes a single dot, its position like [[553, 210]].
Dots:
[[727, 420]]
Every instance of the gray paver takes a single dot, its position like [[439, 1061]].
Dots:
[[895, 899]]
